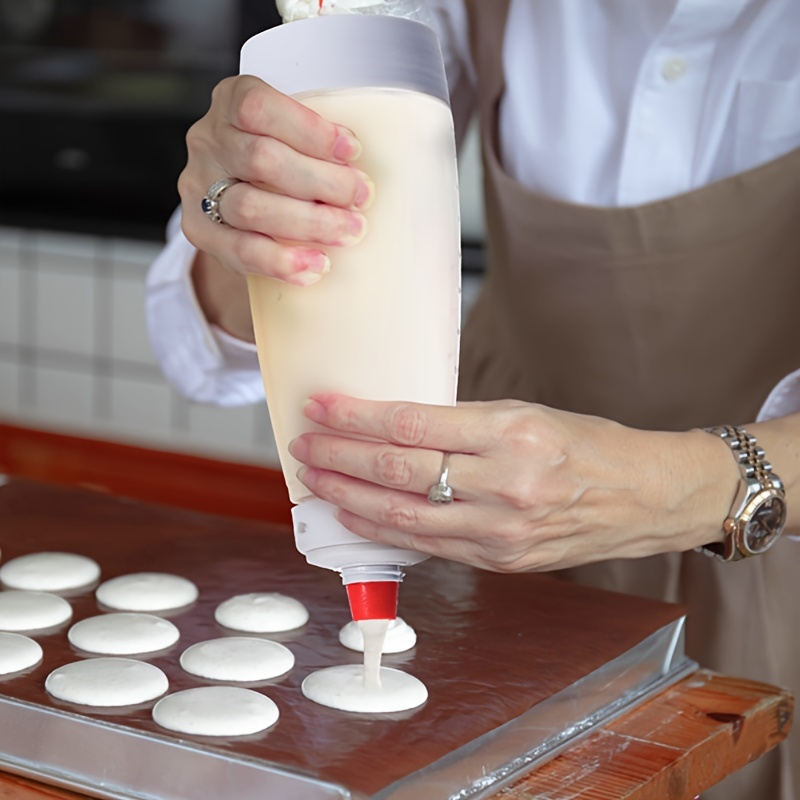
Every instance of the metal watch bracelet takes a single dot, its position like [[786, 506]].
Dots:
[[759, 485], [747, 452]]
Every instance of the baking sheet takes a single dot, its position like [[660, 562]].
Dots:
[[516, 667]]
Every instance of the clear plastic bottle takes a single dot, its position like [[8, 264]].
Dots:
[[383, 324]]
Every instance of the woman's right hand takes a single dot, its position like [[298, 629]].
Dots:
[[298, 191]]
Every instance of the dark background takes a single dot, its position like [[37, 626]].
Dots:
[[95, 100]]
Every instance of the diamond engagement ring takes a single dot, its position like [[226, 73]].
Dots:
[[210, 203], [441, 493]]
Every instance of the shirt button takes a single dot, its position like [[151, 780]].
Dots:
[[674, 69]]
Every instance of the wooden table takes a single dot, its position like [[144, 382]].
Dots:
[[674, 746]]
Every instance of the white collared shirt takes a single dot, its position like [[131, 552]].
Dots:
[[607, 103]]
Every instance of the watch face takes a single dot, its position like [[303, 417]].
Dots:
[[765, 524]]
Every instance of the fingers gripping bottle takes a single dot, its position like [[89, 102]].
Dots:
[[383, 324]]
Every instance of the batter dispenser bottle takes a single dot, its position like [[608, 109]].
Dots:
[[383, 324]]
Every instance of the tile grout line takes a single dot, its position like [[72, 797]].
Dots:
[[26, 389], [102, 357], [95, 366]]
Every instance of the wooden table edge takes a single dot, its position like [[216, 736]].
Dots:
[[691, 736]]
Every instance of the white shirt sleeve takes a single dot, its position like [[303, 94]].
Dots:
[[783, 400], [201, 361]]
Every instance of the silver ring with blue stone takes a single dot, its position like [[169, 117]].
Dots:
[[210, 203]]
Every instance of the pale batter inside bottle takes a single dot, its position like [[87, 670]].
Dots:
[[383, 324]]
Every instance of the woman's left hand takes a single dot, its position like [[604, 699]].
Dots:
[[535, 488]]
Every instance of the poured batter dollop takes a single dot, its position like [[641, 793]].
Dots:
[[107, 682], [49, 572], [344, 688], [366, 688], [123, 634], [216, 711], [147, 591], [18, 653], [237, 658], [261, 612], [399, 637], [32, 611]]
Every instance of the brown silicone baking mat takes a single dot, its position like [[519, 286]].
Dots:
[[490, 647]]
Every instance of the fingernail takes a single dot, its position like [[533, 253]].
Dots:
[[302, 473], [315, 411], [346, 147], [366, 192], [307, 260], [356, 223], [304, 279], [309, 266], [298, 448], [357, 228]]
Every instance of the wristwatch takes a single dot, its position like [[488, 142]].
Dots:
[[758, 514]]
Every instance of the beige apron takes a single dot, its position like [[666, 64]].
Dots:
[[672, 315]]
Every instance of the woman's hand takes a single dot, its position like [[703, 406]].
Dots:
[[535, 488], [298, 193]]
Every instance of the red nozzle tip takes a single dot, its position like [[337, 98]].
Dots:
[[373, 599]]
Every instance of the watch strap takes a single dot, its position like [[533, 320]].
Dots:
[[749, 456], [757, 476]]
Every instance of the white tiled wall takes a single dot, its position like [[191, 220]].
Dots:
[[75, 355], [141, 405], [9, 385], [64, 312], [128, 335], [9, 307], [64, 396]]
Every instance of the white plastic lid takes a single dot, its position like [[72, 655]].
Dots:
[[325, 542], [348, 51]]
